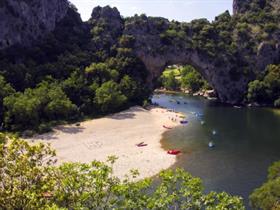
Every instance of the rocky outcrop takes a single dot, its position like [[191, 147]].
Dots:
[[24, 21], [106, 22], [243, 6], [225, 73], [109, 15], [267, 53], [222, 71], [156, 56]]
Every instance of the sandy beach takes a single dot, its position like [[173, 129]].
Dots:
[[116, 135]]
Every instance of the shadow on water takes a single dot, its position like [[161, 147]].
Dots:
[[246, 144]]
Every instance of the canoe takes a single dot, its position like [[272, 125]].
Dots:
[[166, 127], [183, 121], [173, 152], [142, 145]]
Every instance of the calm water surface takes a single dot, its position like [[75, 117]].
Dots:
[[246, 143]]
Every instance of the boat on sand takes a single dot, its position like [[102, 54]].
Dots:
[[173, 152], [167, 127], [141, 144]]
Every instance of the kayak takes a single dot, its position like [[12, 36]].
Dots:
[[173, 152], [166, 127], [142, 144], [183, 121]]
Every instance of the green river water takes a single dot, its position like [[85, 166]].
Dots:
[[246, 144]]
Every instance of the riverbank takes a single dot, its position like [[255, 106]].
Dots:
[[208, 94], [117, 135]]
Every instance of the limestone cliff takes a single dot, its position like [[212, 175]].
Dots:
[[244, 6], [24, 21], [227, 53]]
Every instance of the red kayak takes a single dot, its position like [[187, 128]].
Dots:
[[173, 152]]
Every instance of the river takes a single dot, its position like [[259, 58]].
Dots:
[[247, 142]]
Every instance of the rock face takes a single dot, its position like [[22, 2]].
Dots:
[[243, 6], [224, 74], [156, 56], [24, 21], [111, 22]]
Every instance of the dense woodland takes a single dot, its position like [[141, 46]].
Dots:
[[92, 69], [70, 76]]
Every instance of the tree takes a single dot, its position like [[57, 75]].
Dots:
[[109, 97], [267, 197], [170, 82], [192, 81], [46, 102], [5, 90], [24, 175], [59, 105], [99, 72], [128, 87], [257, 91], [30, 180], [267, 89], [21, 111]]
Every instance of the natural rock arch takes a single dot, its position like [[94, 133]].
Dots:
[[226, 73], [228, 91], [156, 56]]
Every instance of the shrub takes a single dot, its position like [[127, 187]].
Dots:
[[267, 196], [29, 179], [44, 128], [109, 97]]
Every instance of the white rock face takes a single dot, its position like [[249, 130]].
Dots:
[[23, 21]]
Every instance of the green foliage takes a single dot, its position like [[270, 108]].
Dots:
[[5, 90], [267, 196], [24, 175], [192, 80], [34, 106], [257, 91], [81, 59], [127, 41], [170, 82], [30, 180], [266, 90], [109, 97], [100, 73], [128, 87], [185, 77]]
